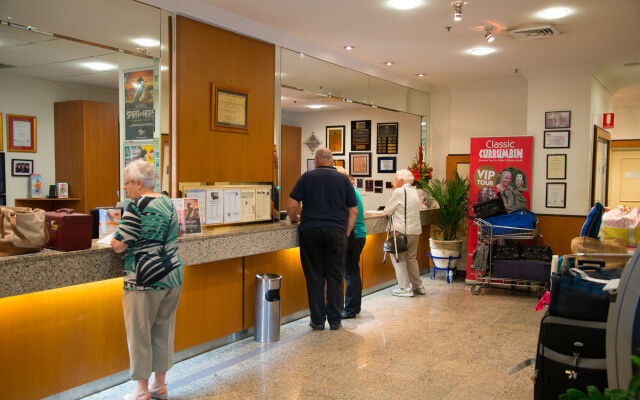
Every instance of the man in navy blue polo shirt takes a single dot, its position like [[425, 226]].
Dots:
[[329, 211]]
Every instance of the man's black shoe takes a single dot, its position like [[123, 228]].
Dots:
[[348, 315], [316, 327], [335, 327]]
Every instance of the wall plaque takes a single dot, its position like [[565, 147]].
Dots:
[[360, 135], [388, 138]]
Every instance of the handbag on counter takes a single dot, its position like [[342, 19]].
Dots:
[[488, 209], [22, 230], [397, 242]]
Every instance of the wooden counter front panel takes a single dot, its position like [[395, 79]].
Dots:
[[55, 340], [557, 231], [294, 288], [210, 304]]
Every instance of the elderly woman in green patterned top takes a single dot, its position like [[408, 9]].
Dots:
[[153, 270]]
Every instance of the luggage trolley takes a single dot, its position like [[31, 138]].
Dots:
[[489, 234]]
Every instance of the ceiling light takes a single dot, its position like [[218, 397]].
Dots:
[[348, 47], [420, 75], [488, 34], [301, 55], [554, 13], [388, 63], [481, 51], [457, 10], [423, 123], [163, 68], [316, 106], [404, 4], [146, 42], [99, 66]]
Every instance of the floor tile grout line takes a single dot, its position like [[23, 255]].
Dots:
[[236, 360]]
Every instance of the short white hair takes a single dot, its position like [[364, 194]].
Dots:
[[405, 175], [141, 170], [324, 155]]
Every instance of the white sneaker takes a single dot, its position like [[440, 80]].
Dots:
[[402, 292], [420, 291]]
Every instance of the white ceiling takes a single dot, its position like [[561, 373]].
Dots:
[[597, 32], [42, 56], [294, 100]]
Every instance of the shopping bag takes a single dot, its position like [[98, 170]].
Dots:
[[622, 223], [22, 230], [585, 244]]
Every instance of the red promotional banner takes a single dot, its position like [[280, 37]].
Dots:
[[496, 163]]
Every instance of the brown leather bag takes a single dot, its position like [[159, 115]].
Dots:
[[586, 244], [22, 230]]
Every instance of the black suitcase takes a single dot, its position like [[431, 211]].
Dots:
[[571, 354], [540, 253], [506, 252]]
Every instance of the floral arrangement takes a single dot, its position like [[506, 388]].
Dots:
[[421, 171]]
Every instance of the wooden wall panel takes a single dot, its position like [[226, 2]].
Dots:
[[102, 166], [291, 138], [557, 231], [293, 293], [69, 146], [206, 54], [211, 303]]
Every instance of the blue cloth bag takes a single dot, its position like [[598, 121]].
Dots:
[[518, 219]]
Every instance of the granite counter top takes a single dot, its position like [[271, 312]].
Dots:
[[50, 269]]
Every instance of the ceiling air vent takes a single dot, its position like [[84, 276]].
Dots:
[[535, 32]]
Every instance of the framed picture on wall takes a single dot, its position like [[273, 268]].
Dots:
[[338, 163], [21, 167], [557, 119], [368, 185], [3, 182], [361, 135], [230, 109], [360, 164], [556, 166], [311, 164], [359, 183], [387, 138], [335, 139], [556, 195], [557, 139], [1, 137], [386, 165], [21, 133]]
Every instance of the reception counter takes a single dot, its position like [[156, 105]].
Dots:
[[62, 314]]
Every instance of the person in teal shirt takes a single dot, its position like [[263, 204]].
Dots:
[[356, 242]]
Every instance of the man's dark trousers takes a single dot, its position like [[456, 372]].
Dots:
[[323, 254], [353, 293]]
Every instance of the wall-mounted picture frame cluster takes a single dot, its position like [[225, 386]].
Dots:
[[556, 136]]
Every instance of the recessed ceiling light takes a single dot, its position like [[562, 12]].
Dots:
[[146, 42], [404, 4], [316, 106], [423, 123], [481, 51], [99, 66], [388, 63], [420, 75], [301, 55], [348, 47], [554, 13]]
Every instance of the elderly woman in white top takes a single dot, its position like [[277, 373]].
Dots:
[[407, 269]]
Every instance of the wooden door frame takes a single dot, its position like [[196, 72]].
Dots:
[[598, 134], [452, 163]]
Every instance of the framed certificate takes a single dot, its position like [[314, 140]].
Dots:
[[557, 139], [335, 139], [360, 164], [230, 109], [556, 166], [386, 165], [1, 137], [339, 163], [21, 133], [556, 195]]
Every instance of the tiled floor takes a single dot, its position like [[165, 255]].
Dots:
[[447, 345]]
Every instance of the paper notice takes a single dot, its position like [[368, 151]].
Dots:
[[215, 208]]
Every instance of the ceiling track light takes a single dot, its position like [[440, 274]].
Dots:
[[457, 10], [488, 34]]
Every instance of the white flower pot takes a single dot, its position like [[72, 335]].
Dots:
[[443, 249]]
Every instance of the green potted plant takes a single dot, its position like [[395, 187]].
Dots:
[[453, 198]]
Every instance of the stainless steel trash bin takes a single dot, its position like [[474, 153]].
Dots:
[[267, 308]]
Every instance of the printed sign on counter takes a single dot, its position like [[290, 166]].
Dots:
[[231, 205], [215, 207]]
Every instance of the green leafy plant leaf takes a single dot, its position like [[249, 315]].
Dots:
[[453, 198]]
